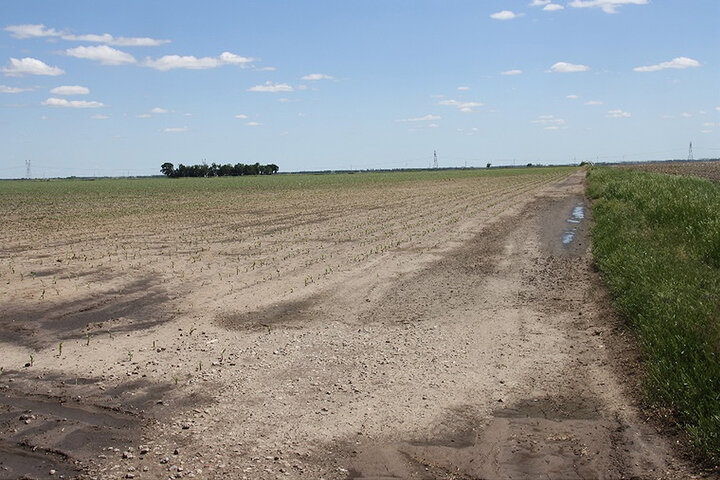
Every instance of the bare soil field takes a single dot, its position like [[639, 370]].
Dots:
[[709, 170], [447, 327]]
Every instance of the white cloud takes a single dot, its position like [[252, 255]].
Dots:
[[679, 62], [176, 129], [143, 115], [241, 116], [512, 72], [553, 7], [425, 118], [70, 90], [116, 41], [463, 88], [317, 76], [158, 110], [504, 15], [564, 67], [550, 122], [433, 125], [30, 66], [103, 54], [270, 87], [39, 30], [593, 102], [100, 117], [618, 114], [607, 6], [61, 102], [717, 108], [31, 31], [253, 124], [539, 3], [170, 62], [6, 89], [686, 115], [573, 97], [465, 107], [711, 124]]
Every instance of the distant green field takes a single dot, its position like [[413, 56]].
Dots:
[[657, 242], [46, 200]]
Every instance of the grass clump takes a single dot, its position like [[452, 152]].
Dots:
[[657, 242]]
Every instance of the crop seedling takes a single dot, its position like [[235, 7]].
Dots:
[[87, 337], [130, 354], [32, 360], [60, 349]]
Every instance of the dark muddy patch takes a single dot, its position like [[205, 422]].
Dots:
[[134, 307], [20, 461], [63, 423], [548, 437], [564, 227], [281, 315]]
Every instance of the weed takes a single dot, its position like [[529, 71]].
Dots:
[[657, 242]]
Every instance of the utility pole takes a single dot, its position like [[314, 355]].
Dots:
[[27, 169], [435, 164], [690, 153]]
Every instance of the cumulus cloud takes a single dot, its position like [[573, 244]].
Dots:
[[62, 102], [564, 67], [675, 63], [593, 102], [241, 116], [70, 90], [317, 76], [607, 6], [158, 110], [425, 118], [618, 114], [176, 129], [573, 97], [103, 54], [31, 31], [463, 88], [100, 117], [39, 30], [270, 87], [511, 72], [539, 3], [253, 124], [30, 66], [465, 107], [6, 89], [504, 15], [553, 7], [170, 62]]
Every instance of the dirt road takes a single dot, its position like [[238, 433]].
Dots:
[[493, 355]]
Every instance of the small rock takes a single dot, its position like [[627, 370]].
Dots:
[[52, 472]]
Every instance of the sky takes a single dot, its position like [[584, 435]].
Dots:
[[112, 88]]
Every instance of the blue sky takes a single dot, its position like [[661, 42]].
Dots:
[[114, 88]]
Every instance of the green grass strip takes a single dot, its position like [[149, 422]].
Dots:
[[656, 240]]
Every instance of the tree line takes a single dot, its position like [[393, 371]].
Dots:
[[215, 170]]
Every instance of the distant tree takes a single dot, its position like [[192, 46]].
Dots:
[[217, 170], [168, 169], [487, 166], [529, 164]]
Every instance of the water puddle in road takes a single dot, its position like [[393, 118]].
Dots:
[[577, 216]]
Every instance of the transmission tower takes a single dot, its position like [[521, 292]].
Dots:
[[690, 154], [27, 169], [435, 164]]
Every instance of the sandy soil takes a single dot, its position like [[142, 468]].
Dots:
[[484, 350]]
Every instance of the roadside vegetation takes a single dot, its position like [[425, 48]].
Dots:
[[657, 242]]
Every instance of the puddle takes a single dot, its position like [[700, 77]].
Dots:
[[577, 216]]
